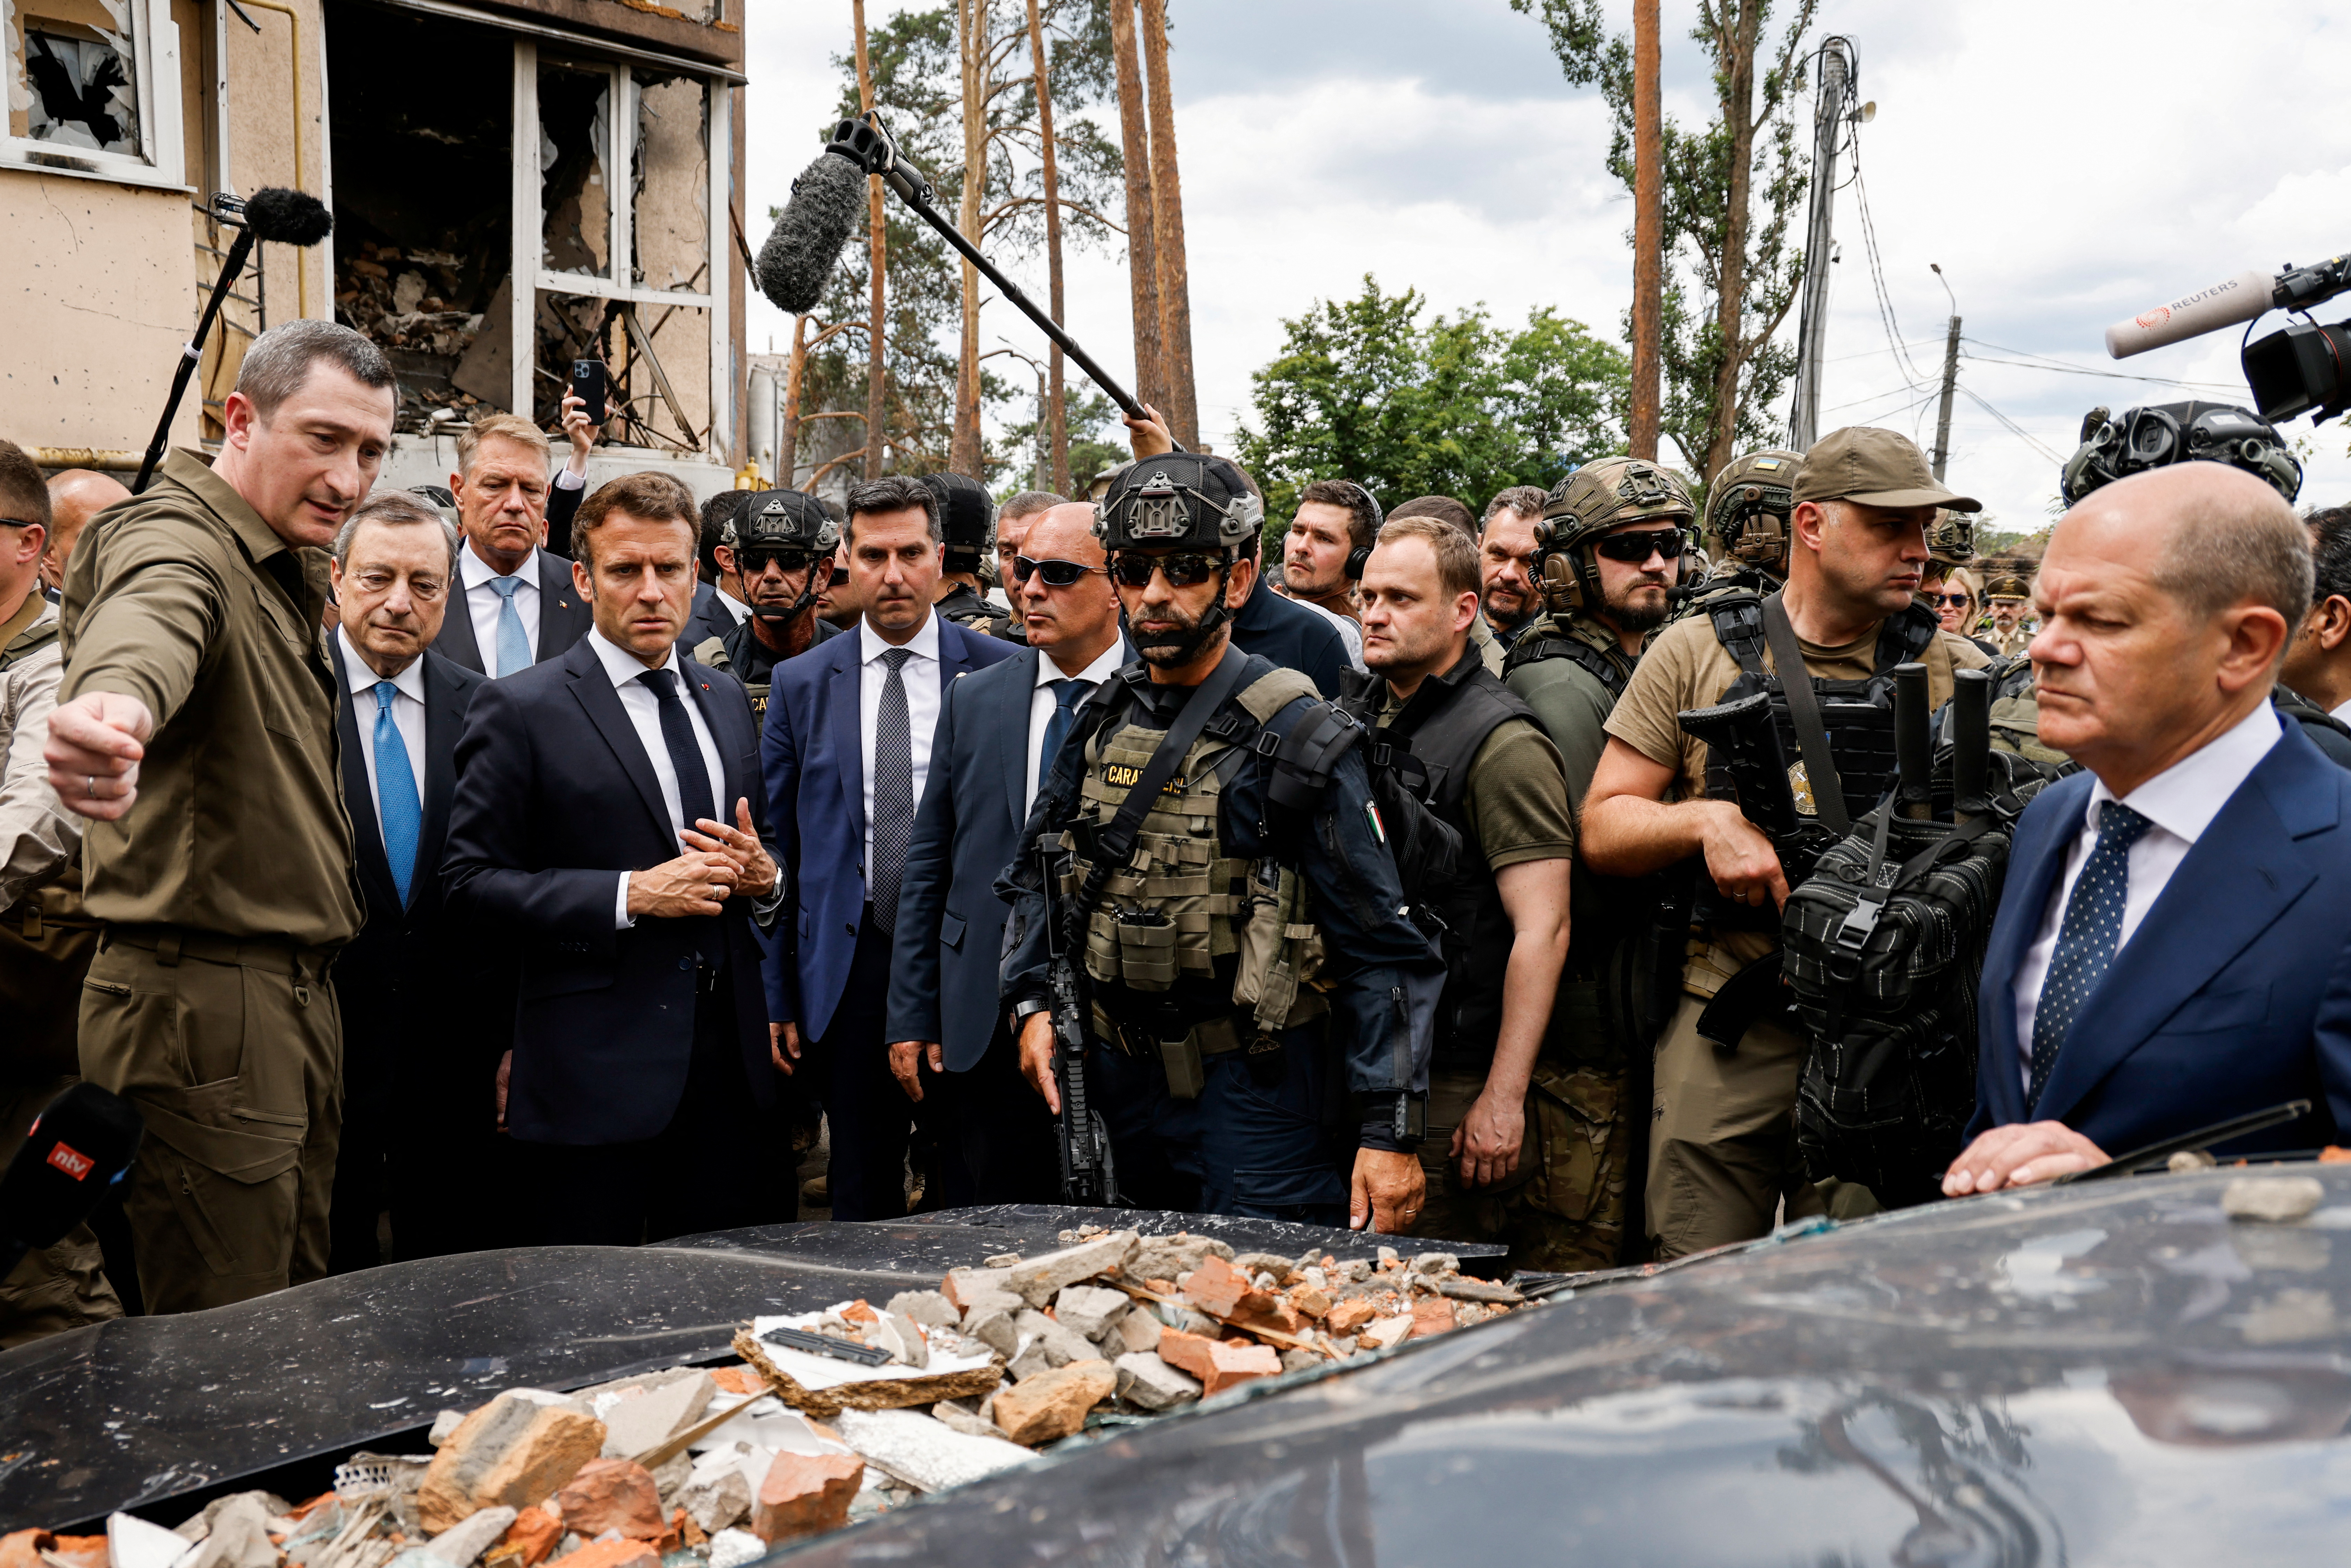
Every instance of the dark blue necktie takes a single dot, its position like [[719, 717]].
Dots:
[[1066, 695], [2088, 939], [893, 791], [401, 815], [685, 756]]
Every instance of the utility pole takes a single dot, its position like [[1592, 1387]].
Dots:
[[1836, 85], [1950, 376], [1648, 230]]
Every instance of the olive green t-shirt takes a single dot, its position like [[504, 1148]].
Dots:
[[1688, 667], [1517, 796]]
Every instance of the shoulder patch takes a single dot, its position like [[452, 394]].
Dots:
[[1276, 690]]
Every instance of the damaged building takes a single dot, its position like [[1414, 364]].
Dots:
[[517, 184]]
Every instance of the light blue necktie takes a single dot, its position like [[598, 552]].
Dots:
[[514, 642], [395, 791]]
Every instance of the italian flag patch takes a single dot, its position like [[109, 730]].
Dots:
[[1372, 815]]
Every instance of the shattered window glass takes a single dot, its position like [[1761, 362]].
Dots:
[[575, 189], [75, 82], [670, 204]]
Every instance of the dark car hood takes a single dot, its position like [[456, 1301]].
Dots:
[[2108, 1374]]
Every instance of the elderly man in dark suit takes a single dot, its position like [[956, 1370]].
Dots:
[[605, 816], [513, 604], [999, 733], [846, 751], [421, 1029], [2170, 949]]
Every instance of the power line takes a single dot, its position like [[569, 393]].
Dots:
[[2013, 428], [2042, 362], [1894, 340]]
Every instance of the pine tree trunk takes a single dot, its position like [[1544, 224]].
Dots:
[[788, 444], [1056, 411], [1183, 408], [1736, 51], [1649, 234], [877, 251], [1142, 249], [971, 17]]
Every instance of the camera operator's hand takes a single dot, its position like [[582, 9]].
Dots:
[[93, 751], [695, 884], [578, 431], [1744, 865], [1148, 436]]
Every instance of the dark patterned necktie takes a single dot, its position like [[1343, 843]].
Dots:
[[2088, 939], [893, 793], [1066, 695]]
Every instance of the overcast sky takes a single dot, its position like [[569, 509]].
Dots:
[[2067, 166]]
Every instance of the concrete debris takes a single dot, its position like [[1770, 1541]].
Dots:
[[807, 1436], [926, 1453], [1037, 1279], [2276, 1200]]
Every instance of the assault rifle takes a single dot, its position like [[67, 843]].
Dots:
[[1743, 734], [1088, 1177]]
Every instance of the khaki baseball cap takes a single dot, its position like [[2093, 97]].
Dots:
[[1876, 469]]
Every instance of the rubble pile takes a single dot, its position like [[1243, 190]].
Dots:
[[835, 1415], [407, 302]]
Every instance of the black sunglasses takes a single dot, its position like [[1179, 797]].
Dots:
[[1955, 600], [1182, 570], [755, 561], [839, 576], [1636, 547], [1057, 573]]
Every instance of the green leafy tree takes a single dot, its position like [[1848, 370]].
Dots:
[[1732, 185], [1365, 390]]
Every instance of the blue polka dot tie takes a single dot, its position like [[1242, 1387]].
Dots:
[[2087, 941]]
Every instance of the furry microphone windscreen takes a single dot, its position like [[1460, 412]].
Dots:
[[811, 232], [288, 217]]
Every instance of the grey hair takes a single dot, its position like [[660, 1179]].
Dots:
[[393, 509], [2246, 544], [897, 492], [279, 361], [1526, 500]]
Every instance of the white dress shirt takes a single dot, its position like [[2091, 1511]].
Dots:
[[407, 717], [1041, 703], [2343, 712], [644, 708], [2180, 803], [732, 605], [1350, 632], [921, 677], [482, 603]]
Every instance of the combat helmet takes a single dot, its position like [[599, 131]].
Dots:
[[1180, 500], [1951, 538], [1591, 501], [2116, 446], [781, 519], [1749, 504], [966, 518]]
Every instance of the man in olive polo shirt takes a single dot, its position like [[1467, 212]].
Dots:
[[195, 728]]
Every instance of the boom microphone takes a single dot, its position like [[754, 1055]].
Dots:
[[272, 214], [78, 1148], [811, 232], [2232, 299]]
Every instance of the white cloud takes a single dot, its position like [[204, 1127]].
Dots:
[[2067, 166]]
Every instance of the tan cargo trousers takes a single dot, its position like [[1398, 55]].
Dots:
[[233, 1052], [1561, 1210]]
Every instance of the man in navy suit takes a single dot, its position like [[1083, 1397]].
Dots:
[[421, 1035], [846, 751], [999, 733], [605, 823], [2174, 919], [513, 603]]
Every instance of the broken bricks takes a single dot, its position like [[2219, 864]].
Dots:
[[513, 1450], [806, 1494], [1054, 1403], [1218, 1364]]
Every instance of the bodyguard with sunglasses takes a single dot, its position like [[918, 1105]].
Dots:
[[777, 540], [999, 730], [1259, 1007]]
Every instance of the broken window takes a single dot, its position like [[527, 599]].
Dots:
[[80, 94], [669, 184], [576, 187]]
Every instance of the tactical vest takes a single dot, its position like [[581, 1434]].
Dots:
[[1444, 724], [1857, 715], [965, 607], [1185, 937], [1549, 638], [30, 641]]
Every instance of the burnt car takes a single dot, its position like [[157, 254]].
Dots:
[[2109, 1372]]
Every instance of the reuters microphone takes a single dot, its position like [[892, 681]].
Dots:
[[79, 1146]]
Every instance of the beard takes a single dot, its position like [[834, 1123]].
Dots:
[[1640, 615], [1181, 644]]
